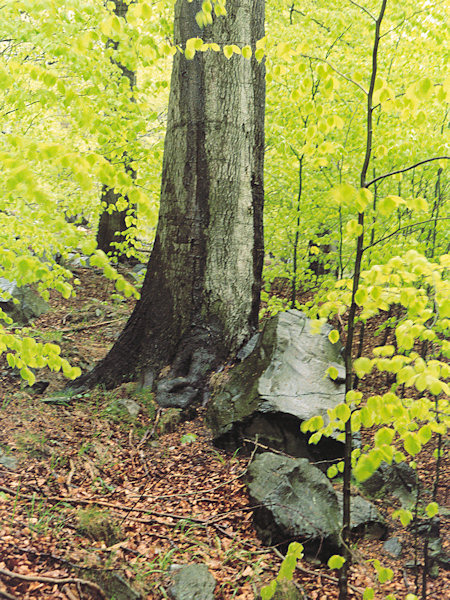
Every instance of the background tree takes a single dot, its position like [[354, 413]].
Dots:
[[200, 297], [118, 215]]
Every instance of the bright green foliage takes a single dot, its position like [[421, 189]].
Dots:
[[318, 61], [288, 566], [336, 561], [67, 118]]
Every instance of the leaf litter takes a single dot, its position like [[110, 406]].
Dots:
[[160, 501]]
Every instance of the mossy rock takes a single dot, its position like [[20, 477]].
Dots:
[[169, 421], [98, 525]]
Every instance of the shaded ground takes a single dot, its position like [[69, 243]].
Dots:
[[99, 490]]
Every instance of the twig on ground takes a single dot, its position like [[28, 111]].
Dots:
[[91, 325], [54, 580], [70, 474], [150, 432], [5, 594], [68, 592]]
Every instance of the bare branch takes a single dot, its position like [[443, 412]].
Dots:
[[400, 229], [346, 77], [336, 41], [364, 10], [422, 162]]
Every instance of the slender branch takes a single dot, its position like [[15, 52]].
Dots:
[[383, 239], [411, 16], [363, 9], [346, 508], [336, 41], [422, 162], [333, 68]]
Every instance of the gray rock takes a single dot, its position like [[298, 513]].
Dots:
[[280, 384], [193, 582], [29, 305], [77, 261], [396, 479], [364, 517], [248, 348], [131, 406], [8, 461], [293, 500], [393, 547], [138, 268], [113, 584]]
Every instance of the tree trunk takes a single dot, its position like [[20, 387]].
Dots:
[[200, 298], [112, 224]]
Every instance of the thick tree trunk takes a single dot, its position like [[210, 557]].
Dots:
[[112, 225], [200, 297]]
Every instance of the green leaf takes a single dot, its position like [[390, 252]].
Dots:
[[384, 436], [342, 412], [404, 515], [363, 198], [353, 228], [247, 52], [332, 372], [343, 194], [369, 594], [268, 591], [259, 54], [28, 375], [333, 336], [432, 509], [361, 297], [362, 366], [364, 468], [424, 434], [332, 471], [385, 574], [228, 51], [412, 444], [336, 561]]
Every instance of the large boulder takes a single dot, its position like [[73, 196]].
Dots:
[[365, 517], [20, 303], [397, 479], [281, 383], [293, 500], [192, 582]]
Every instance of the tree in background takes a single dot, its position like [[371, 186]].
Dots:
[[118, 215], [200, 297]]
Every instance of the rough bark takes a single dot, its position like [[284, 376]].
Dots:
[[200, 297], [112, 224]]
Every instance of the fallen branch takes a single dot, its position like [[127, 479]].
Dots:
[[90, 326], [54, 580], [69, 500]]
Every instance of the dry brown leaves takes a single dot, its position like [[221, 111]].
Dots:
[[172, 502]]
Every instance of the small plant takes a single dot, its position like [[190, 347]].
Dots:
[[169, 421], [32, 444], [188, 438], [286, 573], [98, 525]]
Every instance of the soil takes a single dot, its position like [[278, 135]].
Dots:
[[163, 494]]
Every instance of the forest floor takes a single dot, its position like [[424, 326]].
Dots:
[[94, 493]]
